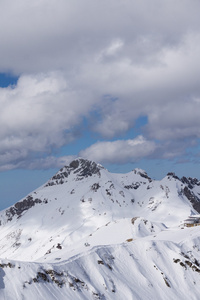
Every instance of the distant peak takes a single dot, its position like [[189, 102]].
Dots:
[[138, 171], [84, 167], [142, 173], [80, 167], [173, 175]]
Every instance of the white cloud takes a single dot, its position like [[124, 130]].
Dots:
[[120, 151], [111, 57], [39, 114], [164, 92], [46, 35], [110, 51]]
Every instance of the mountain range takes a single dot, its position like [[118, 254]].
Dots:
[[91, 234]]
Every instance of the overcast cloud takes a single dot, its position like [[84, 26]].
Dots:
[[109, 62]]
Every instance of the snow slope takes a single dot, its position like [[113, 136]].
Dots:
[[91, 234]]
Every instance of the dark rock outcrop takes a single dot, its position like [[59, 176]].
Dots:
[[21, 206], [195, 201], [81, 167], [142, 174], [190, 182], [173, 175]]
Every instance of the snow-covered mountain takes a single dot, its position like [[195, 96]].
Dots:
[[91, 234]]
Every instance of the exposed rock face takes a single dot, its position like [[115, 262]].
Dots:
[[81, 167], [142, 173], [135, 186], [195, 201], [21, 206], [191, 182], [85, 168], [173, 175]]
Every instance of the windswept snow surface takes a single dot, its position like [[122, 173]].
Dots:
[[91, 234]]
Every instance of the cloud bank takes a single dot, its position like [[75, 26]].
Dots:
[[107, 62]]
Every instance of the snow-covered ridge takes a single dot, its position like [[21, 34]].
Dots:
[[70, 228]]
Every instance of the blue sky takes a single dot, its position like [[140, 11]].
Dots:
[[104, 80]]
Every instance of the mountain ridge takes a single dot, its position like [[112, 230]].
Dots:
[[84, 168], [81, 213]]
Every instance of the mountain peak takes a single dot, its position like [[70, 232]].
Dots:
[[84, 167], [80, 167], [172, 175], [142, 173]]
